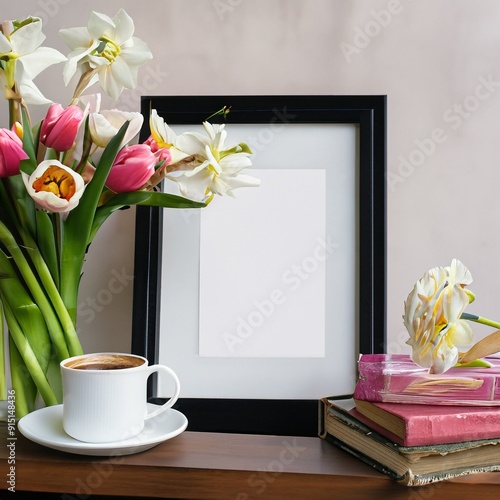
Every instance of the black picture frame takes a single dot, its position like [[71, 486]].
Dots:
[[369, 114]]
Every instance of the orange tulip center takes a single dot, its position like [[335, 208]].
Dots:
[[57, 181]]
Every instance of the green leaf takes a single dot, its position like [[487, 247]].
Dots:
[[80, 219], [144, 198], [47, 243], [87, 145], [78, 225], [242, 147], [19, 204], [28, 166], [477, 363]]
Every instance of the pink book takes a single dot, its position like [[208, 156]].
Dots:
[[395, 378], [422, 425]]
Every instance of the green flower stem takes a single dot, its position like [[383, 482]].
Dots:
[[45, 275], [39, 296], [29, 358], [481, 320], [24, 386]]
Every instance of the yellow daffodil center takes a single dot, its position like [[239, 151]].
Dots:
[[57, 181], [107, 49], [213, 170]]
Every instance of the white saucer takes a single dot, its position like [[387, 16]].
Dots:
[[45, 427]]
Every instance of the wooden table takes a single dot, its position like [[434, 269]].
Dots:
[[218, 466]]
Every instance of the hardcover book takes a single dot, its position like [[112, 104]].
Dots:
[[395, 378], [417, 424], [409, 465]]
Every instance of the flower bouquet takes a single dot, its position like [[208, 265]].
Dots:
[[62, 178]]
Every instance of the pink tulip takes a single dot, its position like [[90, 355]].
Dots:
[[133, 167], [60, 126], [161, 154], [11, 153]]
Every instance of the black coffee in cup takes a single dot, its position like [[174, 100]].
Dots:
[[105, 362]]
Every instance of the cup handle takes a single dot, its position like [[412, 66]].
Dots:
[[173, 399]]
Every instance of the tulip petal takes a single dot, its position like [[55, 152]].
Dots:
[[48, 200]]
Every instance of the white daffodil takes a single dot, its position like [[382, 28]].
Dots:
[[432, 317], [214, 170], [107, 51], [24, 59], [55, 187], [165, 137]]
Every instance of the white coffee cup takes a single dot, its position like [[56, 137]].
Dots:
[[105, 396]]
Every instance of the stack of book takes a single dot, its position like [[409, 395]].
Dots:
[[415, 427]]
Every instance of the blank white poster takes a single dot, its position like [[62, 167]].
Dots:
[[262, 268]]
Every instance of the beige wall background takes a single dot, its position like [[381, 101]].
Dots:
[[438, 61]]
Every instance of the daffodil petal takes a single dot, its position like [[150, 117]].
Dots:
[[123, 74], [40, 59], [5, 45], [77, 38], [137, 54], [27, 38], [191, 143], [124, 27], [100, 24]]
